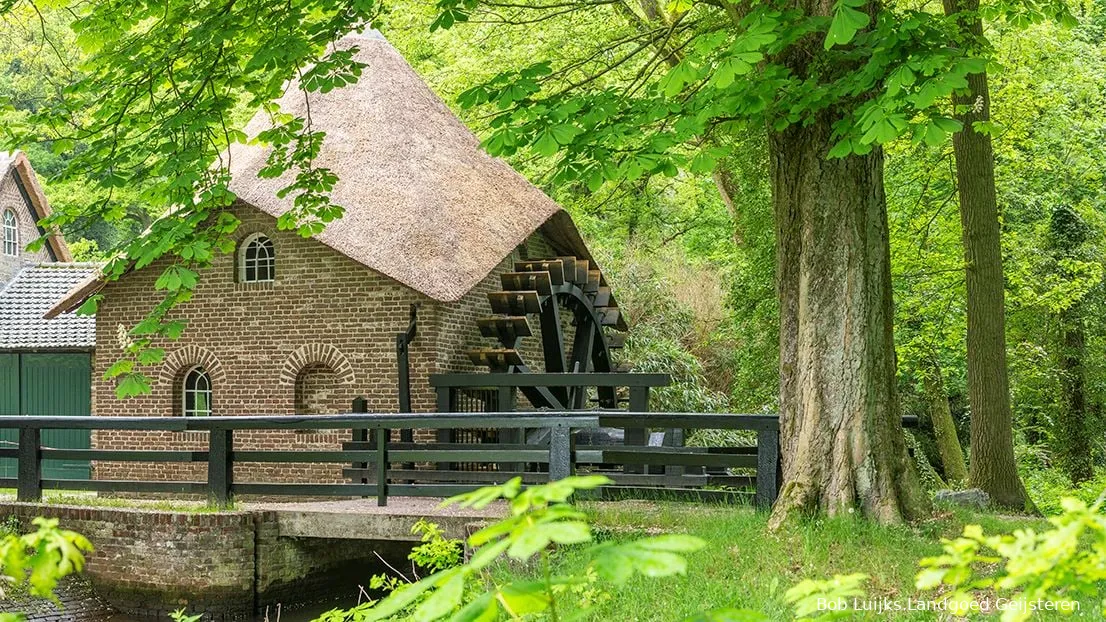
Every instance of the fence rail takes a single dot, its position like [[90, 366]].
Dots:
[[372, 457]]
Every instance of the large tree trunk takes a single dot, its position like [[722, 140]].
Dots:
[[944, 428], [992, 438], [840, 427]]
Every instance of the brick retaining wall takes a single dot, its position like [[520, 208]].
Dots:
[[228, 565]]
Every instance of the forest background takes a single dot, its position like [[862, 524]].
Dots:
[[696, 272]]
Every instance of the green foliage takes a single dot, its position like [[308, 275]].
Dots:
[[180, 616], [33, 563], [161, 91], [809, 597], [539, 519], [435, 552], [1049, 486], [1058, 565]]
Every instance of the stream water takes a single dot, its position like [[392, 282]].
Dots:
[[81, 604]]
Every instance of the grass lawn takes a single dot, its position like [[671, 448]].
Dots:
[[92, 499], [746, 567]]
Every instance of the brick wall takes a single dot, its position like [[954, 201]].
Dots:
[[327, 324], [10, 198], [150, 563], [227, 565]]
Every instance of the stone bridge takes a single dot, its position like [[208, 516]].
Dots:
[[233, 564]]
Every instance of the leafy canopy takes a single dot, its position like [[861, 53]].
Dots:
[[165, 88]]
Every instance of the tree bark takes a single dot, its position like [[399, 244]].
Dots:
[[1072, 432], [727, 189], [993, 467], [944, 428], [840, 426], [1072, 428]]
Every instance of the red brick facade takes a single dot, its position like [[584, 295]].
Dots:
[[322, 334], [11, 198]]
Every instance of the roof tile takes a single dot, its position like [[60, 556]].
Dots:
[[33, 291]]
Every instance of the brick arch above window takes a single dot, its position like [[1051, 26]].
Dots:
[[316, 354], [183, 359]]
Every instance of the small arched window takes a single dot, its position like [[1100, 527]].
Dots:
[[197, 393], [11, 234], [257, 260]]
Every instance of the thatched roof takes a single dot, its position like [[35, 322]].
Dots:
[[425, 205], [17, 164]]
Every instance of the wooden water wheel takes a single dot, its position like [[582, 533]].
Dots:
[[574, 307]]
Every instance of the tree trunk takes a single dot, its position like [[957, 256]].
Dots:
[[992, 437], [727, 189], [840, 427], [1072, 432], [944, 429]]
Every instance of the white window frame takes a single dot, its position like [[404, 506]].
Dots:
[[243, 262], [11, 233], [186, 391]]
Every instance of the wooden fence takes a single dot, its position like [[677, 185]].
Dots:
[[378, 466]]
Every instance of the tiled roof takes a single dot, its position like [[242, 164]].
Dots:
[[33, 291]]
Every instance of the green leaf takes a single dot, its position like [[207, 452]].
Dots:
[[481, 609], [119, 368], [445, 598], [846, 22], [651, 557], [948, 125], [151, 356], [525, 597], [841, 149], [564, 134], [90, 306], [132, 385], [546, 145], [676, 78]]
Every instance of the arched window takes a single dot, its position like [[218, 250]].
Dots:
[[197, 393], [11, 234], [257, 260]]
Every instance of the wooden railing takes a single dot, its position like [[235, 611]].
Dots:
[[371, 456]]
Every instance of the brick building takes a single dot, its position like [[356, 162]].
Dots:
[[22, 205], [44, 363], [304, 325]]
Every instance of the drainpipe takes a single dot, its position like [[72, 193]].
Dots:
[[403, 341]]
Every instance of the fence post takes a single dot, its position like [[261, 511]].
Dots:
[[445, 401], [360, 406], [639, 403], [220, 466], [382, 466], [505, 403], [560, 452], [768, 468], [29, 483]]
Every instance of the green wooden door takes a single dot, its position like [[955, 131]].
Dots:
[[9, 405], [52, 385]]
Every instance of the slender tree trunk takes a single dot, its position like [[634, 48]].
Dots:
[[993, 467], [727, 189], [944, 428], [1072, 432], [840, 426]]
